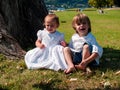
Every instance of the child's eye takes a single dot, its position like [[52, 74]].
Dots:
[[50, 25], [84, 22]]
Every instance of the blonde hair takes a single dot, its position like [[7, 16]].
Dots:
[[80, 18], [53, 17]]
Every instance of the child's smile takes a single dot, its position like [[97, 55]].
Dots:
[[82, 29]]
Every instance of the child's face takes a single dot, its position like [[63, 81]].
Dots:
[[82, 28], [50, 25]]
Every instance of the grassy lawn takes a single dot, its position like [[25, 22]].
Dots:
[[106, 27]]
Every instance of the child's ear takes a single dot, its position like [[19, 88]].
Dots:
[[57, 26]]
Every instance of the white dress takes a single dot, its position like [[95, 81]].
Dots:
[[51, 57], [77, 42]]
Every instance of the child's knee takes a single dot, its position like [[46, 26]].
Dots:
[[66, 49], [86, 46]]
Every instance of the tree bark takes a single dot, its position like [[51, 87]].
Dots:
[[19, 22]]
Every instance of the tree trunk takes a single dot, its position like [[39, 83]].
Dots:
[[19, 22]]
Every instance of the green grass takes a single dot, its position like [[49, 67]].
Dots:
[[15, 76]]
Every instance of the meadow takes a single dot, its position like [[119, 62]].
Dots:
[[106, 28]]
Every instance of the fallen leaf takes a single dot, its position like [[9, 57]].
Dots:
[[73, 79], [118, 72]]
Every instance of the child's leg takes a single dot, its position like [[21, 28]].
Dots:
[[68, 58], [86, 51], [85, 55]]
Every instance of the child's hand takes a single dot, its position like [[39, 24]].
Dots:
[[42, 46], [63, 43], [39, 44]]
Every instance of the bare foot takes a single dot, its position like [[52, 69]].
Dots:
[[80, 67], [69, 70]]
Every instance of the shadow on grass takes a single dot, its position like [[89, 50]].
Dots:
[[44, 85], [3, 88], [110, 59], [51, 85]]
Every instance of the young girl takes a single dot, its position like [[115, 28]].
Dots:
[[48, 52], [83, 47]]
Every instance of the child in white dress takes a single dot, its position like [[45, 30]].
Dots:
[[83, 48], [48, 52]]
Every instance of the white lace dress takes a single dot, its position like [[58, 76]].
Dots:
[[51, 57]]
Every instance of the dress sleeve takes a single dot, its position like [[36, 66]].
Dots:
[[39, 35]]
